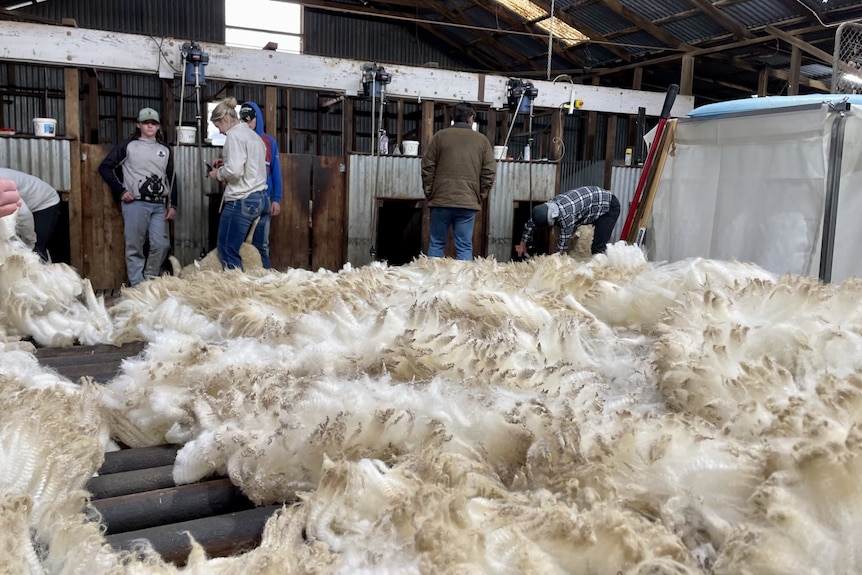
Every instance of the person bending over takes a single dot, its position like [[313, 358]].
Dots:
[[567, 211]]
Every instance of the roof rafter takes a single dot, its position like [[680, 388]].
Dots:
[[644, 24], [739, 31], [459, 16], [593, 34]]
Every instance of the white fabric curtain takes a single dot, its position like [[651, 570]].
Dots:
[[752, 188], [848, 232]]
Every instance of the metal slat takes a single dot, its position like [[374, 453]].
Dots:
[[174, 504], [221, 535]]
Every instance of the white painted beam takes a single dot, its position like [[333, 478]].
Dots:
[[84, 48]]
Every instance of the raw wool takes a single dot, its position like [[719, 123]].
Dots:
[[452, 417], [581, 244], [49, 303], [248, 254]]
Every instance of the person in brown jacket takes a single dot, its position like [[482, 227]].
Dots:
[[458, 171]]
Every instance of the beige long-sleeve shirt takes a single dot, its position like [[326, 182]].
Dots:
[[244, 169]]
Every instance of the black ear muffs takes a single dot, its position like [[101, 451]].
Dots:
[[540, 215]]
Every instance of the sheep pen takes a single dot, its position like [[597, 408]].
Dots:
[[549, 416]]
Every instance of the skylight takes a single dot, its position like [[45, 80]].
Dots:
[[562, 32]]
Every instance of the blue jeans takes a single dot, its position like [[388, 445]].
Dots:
[[142, 221], [461, 221], [260, 240], [237, 216]]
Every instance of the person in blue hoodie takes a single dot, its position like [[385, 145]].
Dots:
[[250, 114]]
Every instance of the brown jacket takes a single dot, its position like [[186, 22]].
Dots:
[[458, 168]]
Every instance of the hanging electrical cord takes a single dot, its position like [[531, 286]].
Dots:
[[550, 40]]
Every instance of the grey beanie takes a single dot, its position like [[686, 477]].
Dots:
[[540, 215]]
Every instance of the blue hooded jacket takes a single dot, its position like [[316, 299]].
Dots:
[[273, 167]]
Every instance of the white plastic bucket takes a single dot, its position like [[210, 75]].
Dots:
[[411, 147], [186, 134], [45, 127], [500, 152]]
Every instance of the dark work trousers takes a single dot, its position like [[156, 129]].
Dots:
[[604, 227], [44, 222]]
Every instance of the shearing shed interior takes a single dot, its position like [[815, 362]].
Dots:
[[687, 402]]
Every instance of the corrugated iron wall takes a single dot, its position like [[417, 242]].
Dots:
[[343, 36], [191, 226], [45, 158], [197, 20], [624, 182], [399, 177]]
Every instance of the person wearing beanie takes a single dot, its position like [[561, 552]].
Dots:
[[250, 114], [140, 173], [578, 207]]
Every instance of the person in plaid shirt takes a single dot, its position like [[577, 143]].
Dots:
[[584, 205]]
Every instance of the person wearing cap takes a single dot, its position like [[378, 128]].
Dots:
[[140, 173], [250, 114], [578, 207], [10, 199], [458, 172], [243, 171], [40, 210]]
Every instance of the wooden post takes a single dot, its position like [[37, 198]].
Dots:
[[492, 126], [168, 113], [270, 111], [91, 131], [426, 129], [348, 134], [288, 115], [795, 66], [72, 88], [763, 83], [610, 145], [592, 124], [631, 133], [399, 126], [686, 77], [637, 80]]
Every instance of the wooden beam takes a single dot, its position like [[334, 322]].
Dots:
[[739, 31], [72, 87], [645, 25], [140, 55], [694, 52], [801, 44], [587, 30]]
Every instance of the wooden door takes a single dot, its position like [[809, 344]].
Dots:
[[101, 226], [311, 231]]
